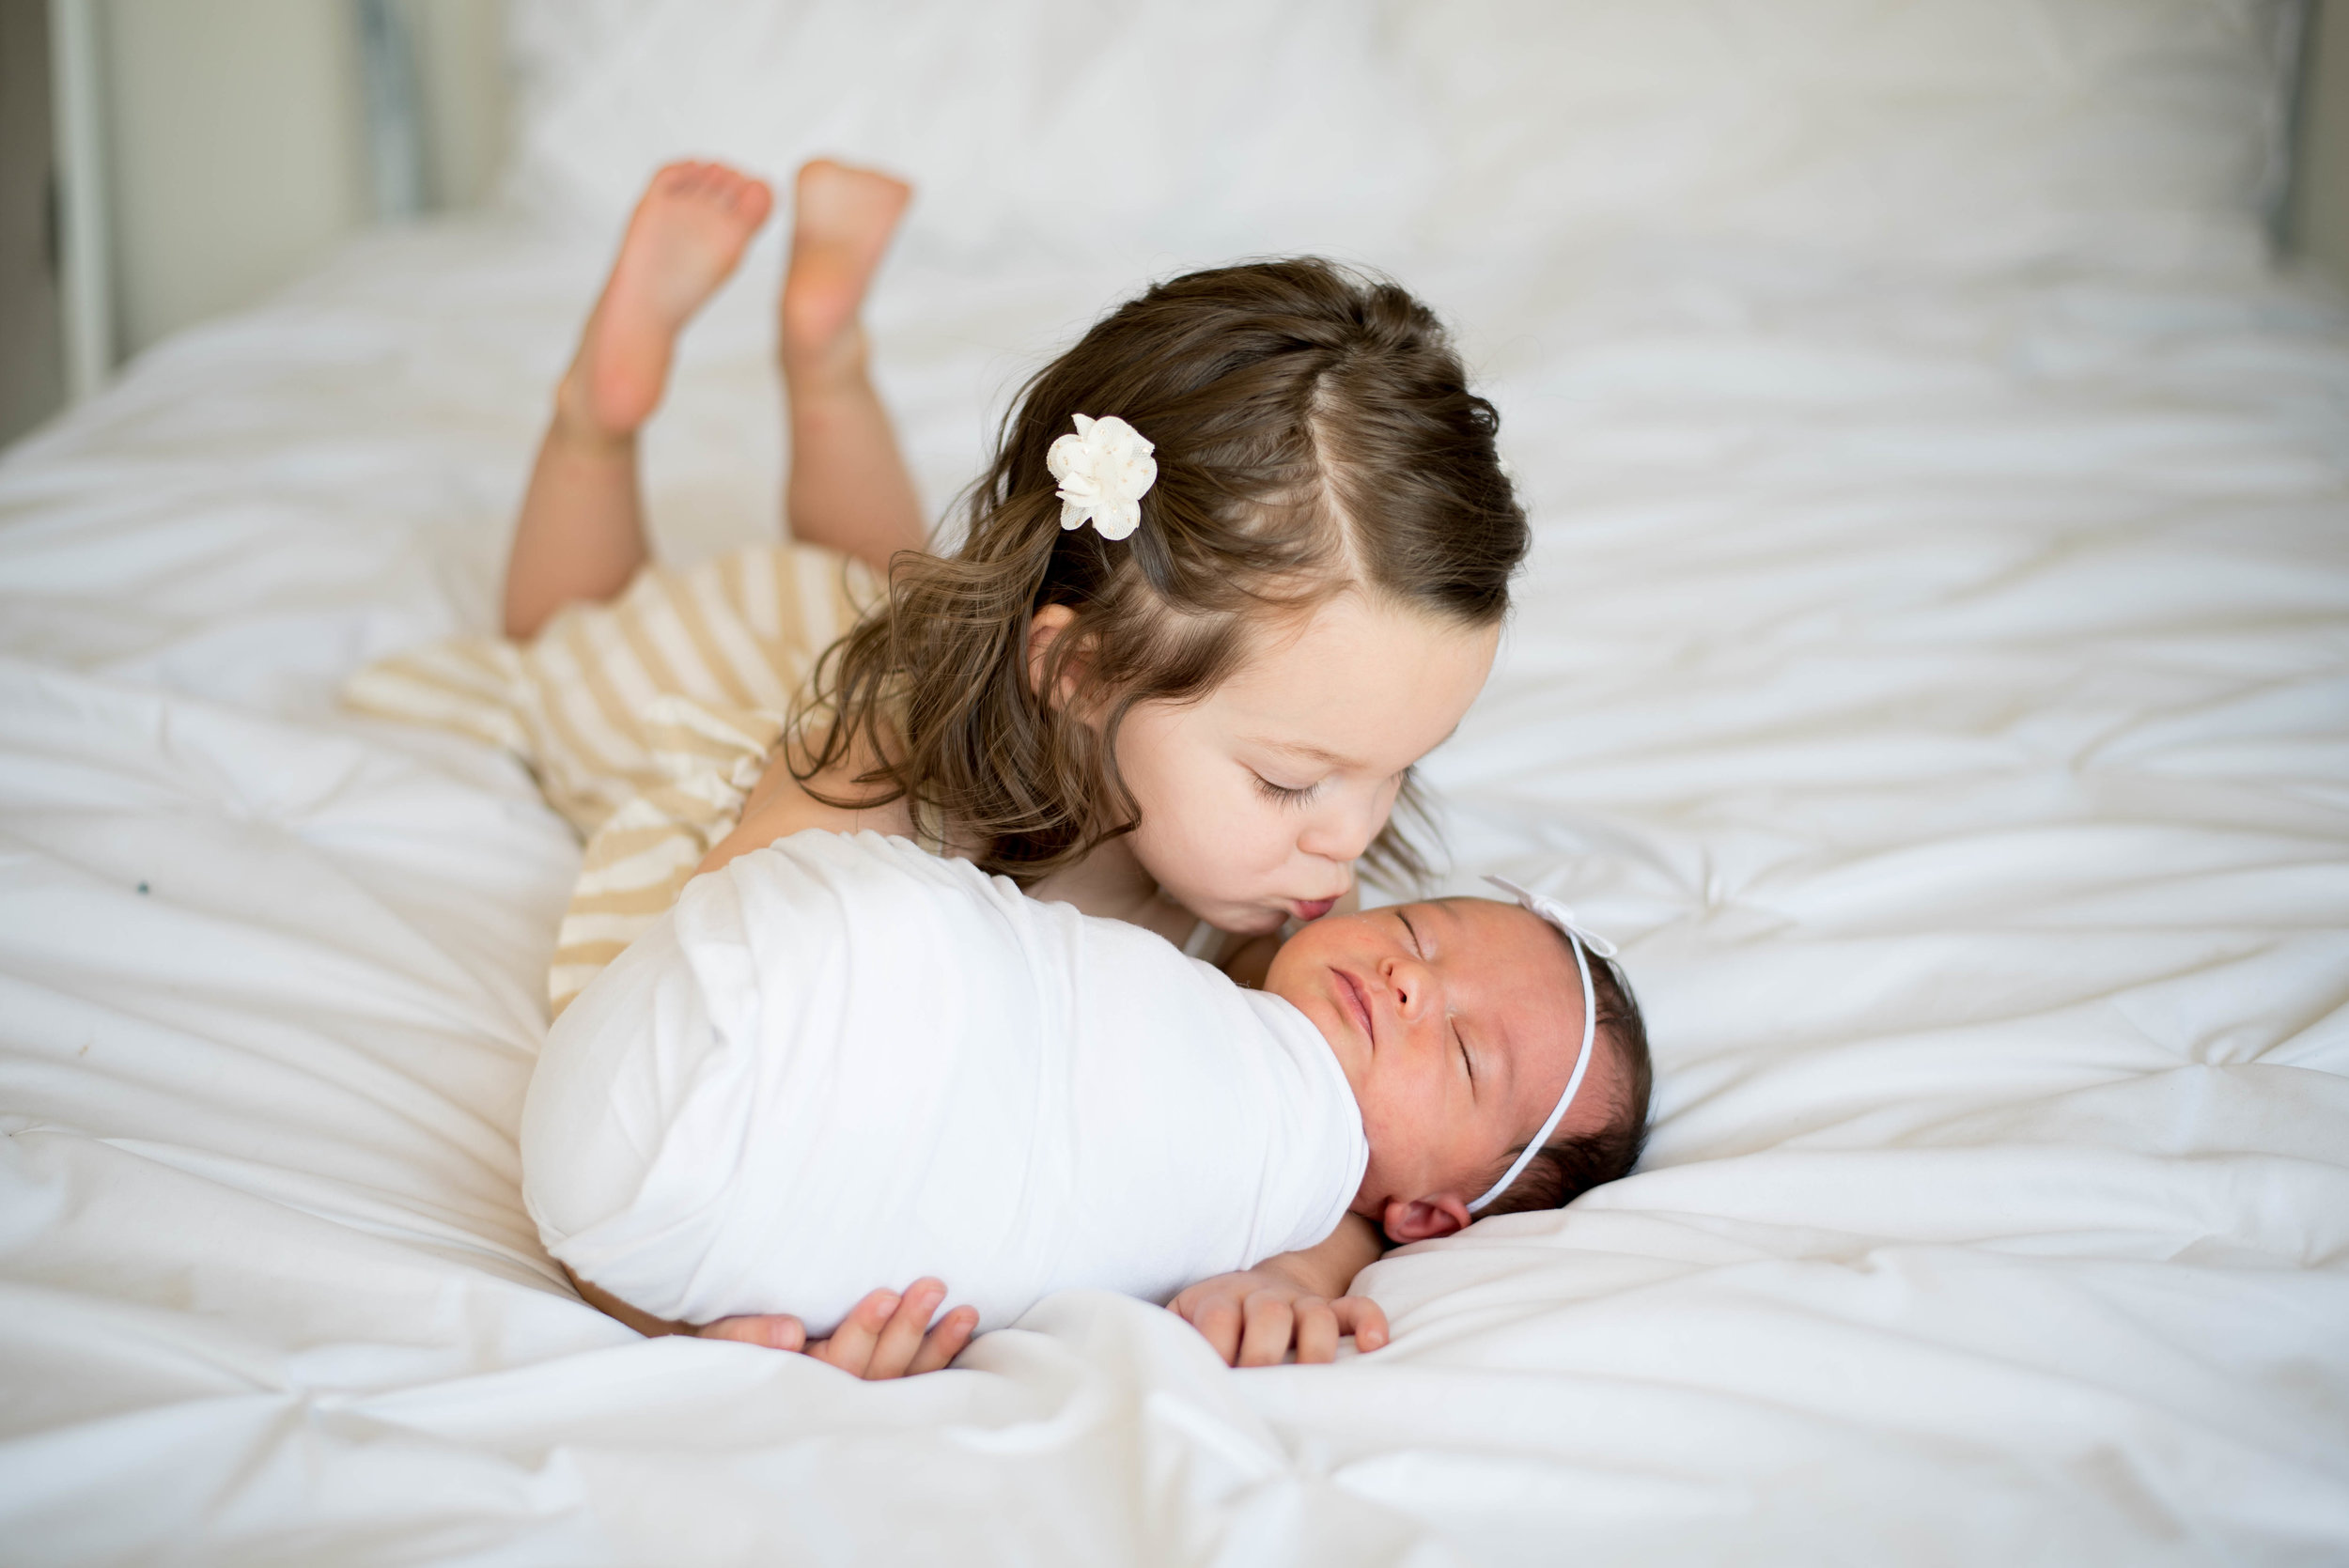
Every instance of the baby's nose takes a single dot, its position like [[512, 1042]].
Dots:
[[1407, 980]]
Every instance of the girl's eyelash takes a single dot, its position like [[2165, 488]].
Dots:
[[1285, 795]]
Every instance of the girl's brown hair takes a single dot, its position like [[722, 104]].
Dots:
[[1314, 434]]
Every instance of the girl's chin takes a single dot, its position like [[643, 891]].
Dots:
[[1236, 915], [1242, 921], [1258, 922]]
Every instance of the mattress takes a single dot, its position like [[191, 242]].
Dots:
[[1938, 686]]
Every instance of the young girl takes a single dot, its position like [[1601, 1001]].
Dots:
[[1192, 706]]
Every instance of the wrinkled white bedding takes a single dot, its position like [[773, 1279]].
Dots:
[[1942, 691]]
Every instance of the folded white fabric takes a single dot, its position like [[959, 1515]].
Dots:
[[841, 1062]]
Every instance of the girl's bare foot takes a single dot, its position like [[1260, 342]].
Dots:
[[841, 225], [686, 237]]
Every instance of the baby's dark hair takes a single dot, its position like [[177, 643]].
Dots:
[[1566, 1167], [1316, 436]]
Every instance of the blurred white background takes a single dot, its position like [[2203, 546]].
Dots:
[[166, 163]]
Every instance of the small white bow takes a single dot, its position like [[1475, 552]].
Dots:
[[1556, 913]]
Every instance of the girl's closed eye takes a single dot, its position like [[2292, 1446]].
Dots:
[[1287, 795]]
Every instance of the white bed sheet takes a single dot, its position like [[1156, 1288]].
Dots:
[[1942, 691]]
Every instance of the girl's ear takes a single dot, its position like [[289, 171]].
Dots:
[[1044, 630], [1411, 1220]]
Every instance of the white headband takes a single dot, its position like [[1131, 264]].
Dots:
[[1563, 918]]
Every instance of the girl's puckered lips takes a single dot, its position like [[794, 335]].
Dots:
[[1311, 909]]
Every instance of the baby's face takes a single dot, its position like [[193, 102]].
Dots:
[[1456, 1023]]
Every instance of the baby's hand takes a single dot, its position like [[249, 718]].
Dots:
[[1252, 1318], [884, 1336]]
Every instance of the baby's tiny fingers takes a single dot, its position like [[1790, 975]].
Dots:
[[850, 1347], [1218, 1323], [1271, 1321], [1363, 1318], [945, 1341], [1316, 1330], [776, 1332], [901, 1337]]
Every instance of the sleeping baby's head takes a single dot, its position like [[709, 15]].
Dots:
[[1459, 1024]]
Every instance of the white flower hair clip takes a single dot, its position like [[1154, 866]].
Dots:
[[1104, 470]]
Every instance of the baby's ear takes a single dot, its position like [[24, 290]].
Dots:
[[1410, 1219], [1044, 630]]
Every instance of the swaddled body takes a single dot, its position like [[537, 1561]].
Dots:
[[842, 1059]]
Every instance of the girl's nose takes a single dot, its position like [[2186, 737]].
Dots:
[[1343, 828]]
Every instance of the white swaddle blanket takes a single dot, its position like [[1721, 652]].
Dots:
[[841, 1062]]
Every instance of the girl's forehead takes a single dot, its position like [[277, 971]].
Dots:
[[1358, 622], [1362, 685]]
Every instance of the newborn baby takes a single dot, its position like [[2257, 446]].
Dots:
[[842, 1059]]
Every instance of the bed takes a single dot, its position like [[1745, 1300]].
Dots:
[[1934, 670]]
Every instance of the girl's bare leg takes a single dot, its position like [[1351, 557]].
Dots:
[[582, 535], [850, 488]]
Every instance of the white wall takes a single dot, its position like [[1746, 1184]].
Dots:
[[237, 136], [236, 151], [2320, 218], [460, 51]]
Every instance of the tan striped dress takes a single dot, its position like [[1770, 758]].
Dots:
[[647, 720]]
